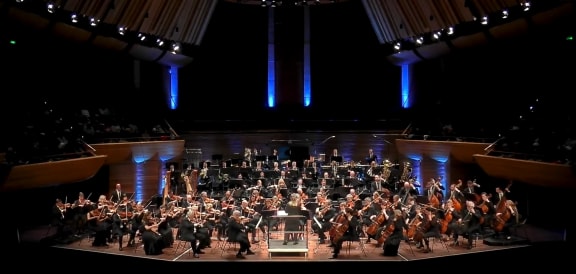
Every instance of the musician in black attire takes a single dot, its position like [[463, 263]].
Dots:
[[323, 216], [153, 241], [98, 222], [59, 211], [237, 233], [430, 227], [407, 191], [137, 223], [468, 223], [293, 208], [351, 234], [187, 231], [119, 227], [393, 241]]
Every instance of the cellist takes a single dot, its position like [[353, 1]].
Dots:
[[429, 228], [351, 224]]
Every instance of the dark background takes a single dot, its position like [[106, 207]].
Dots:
[[351, 78]]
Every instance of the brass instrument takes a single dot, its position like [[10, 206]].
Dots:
[[406, 172], [386, 170]]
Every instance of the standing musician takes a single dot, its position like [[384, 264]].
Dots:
[[59, 212], [322, 220], [507, 219], [81, 208], [429, 228], [116, 195], [468, 223], [350, 234], [488, 210], [292, 224], [187, 230], [237, 233]]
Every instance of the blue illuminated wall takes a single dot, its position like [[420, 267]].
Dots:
[[406, 87], [307, 84], [271, 61], [139, 176], [173, 87]]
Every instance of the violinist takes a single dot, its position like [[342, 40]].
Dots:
[[237, 233], [152, 239], [324, 213], [120, 219], [99, 222], [428, 228], [187, 232], [270, 207], [136, 223], [350, 234], [227, 203], [468, 223], [200, 220], [80, 209], [251, 223], [164, 228], [59, 213]]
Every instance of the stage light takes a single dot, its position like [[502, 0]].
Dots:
[[570, 38], [12, 42], [74, 18]]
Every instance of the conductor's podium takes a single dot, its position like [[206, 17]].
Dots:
[[297, 239]]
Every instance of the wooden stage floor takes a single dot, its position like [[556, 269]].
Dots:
[[218, 252]]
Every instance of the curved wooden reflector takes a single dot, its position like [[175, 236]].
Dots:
[[440, 150], [47, 174], [139, 151], [529, 172]]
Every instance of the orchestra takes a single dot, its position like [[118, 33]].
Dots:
[[344, 201]]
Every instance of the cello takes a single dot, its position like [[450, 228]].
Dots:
[[339, 227]]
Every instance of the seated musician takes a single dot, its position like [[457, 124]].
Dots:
[[227, 203], [448, 218], [407, 191], [136, 223], [468, 223], [151, 238], [249, 213], [398, 225], [120, 219], [488, 210], [270, 208], [350, 234], [187, 231], [324, 213], [164, 228], [237, 233], [428, 228], [99, 221], [201, 234]]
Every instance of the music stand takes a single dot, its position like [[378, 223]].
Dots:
[[337, 159], [284, 192]]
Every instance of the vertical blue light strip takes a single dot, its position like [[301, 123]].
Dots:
[[271, 61], [406, 86], [307, 88], [162, 182], [173, 87], [139, 184]]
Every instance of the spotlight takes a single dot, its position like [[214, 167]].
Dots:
[[504, 14], [74, 18], [50, 7], [121, 30]]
